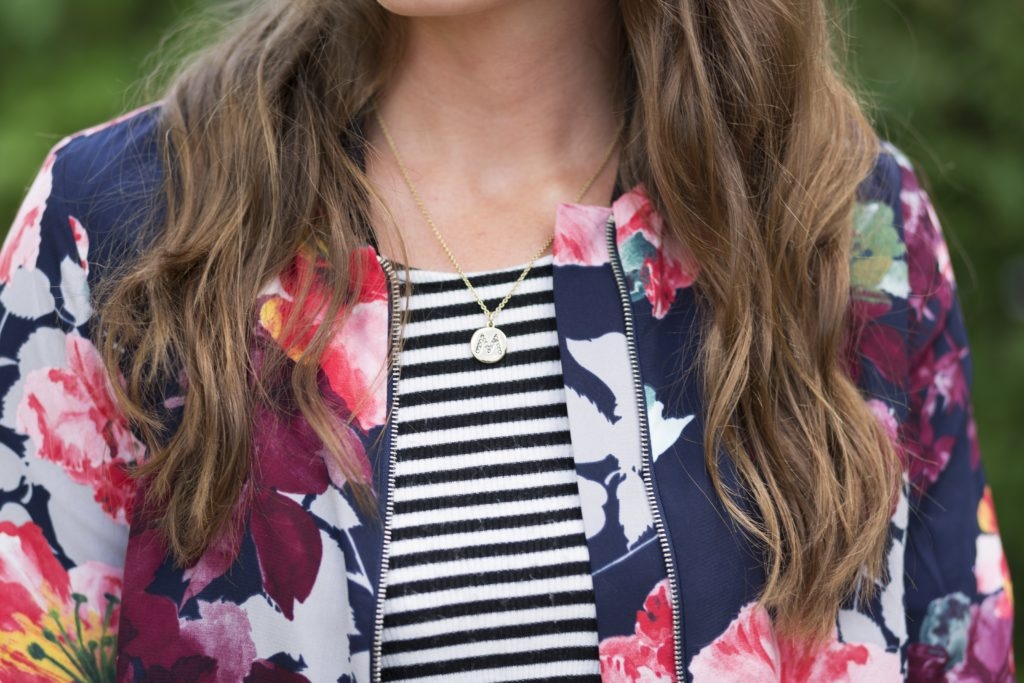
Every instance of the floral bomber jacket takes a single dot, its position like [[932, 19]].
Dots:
[[87, 592]]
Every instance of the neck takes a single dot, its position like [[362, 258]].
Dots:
[[499, 116], [529, 81]]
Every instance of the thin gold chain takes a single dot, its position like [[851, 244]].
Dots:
[[444, 245]]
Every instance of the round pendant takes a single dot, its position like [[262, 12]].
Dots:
[[488, 344]]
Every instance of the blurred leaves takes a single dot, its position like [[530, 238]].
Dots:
[[945, 78], [37, 22]]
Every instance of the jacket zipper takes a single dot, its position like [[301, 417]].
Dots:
[[645, 444], [396, 371]]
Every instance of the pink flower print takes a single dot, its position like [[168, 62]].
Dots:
[[750, 650], [81, 242], [992, 571], [216, 647], [972, 438], [222, 633], [580, 235], [657, 268], [885, 418], [948, 381], [661, 279], [634, 213], [990, 567], [55, 624], [911, 199], [925, 458], [929, 266], [933, 378], [21, 248], [649, 654], [355, 359], [72, 418], [988, 657], [665, 277]]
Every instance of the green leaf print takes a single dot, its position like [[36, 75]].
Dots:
[[878, 267]]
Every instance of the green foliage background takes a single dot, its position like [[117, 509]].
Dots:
[[944, 77]]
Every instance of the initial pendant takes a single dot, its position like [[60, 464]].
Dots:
[[488, 344]]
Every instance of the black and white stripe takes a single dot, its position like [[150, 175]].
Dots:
[[489, 576]]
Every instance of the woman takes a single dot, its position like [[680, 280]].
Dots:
[[493, 340]]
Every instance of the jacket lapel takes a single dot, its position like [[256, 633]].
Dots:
[[717, 571], [605, 422], [628, 328]]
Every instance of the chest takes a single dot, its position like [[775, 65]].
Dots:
[[669, 571]]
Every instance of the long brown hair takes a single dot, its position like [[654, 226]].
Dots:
[[745, 136]]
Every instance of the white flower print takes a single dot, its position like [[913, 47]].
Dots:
[[614, 436]]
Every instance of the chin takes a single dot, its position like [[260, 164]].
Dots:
[[439, 8]]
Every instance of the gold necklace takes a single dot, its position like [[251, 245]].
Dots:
[[488, 344]]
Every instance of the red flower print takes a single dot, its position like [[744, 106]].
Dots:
[[658, 267], [21, 248], [580, 235], [926, 663], [885, 348], [288, 547], [290, 463], [215, 648], [750, 650], [862, 342], [649, 654], [662, 278], [70, 415], [355, 360], [289, 459], [55, 624], [635, 213]]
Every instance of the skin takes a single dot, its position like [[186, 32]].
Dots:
[[501, 110]]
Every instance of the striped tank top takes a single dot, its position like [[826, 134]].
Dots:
[[488, 572]]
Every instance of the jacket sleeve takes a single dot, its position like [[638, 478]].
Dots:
[[65, 494], [958, 597]]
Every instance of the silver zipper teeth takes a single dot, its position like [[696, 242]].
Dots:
[[645, 450], [396, 370]]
